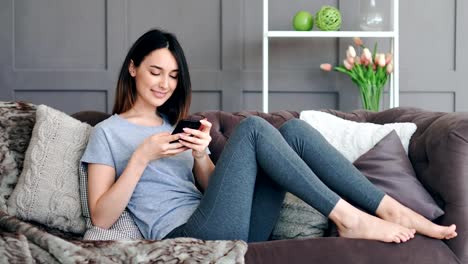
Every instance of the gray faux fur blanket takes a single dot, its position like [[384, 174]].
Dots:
[[22, 242]]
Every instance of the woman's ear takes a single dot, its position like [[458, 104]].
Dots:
[[132, 69]]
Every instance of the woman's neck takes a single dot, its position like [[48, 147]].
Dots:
[[140, 111], [143, 115]]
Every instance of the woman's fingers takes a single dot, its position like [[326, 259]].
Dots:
[[192, 146], [204, 132], [164, 137], [195, 132], [206, 125], [175, 145], [171, 152], [197, 140], [190, 139], [194, 143]]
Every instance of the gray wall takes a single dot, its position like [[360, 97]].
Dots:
[[67, 53]]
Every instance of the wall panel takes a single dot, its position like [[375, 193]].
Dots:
[[49, 47], [69, 101]]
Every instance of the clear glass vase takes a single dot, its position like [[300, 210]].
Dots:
[[370, 96], [372, 15]]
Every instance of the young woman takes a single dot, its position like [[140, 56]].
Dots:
[[133, 164]]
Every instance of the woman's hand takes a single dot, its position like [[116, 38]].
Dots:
[[158, 146], [200, 140]]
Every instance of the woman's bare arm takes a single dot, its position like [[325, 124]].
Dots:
[[107, 198], [202, 169]]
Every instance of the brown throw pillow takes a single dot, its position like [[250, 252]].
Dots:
[[388, 167]]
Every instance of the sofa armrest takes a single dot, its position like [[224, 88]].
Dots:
[[438, 151], [440, 157]]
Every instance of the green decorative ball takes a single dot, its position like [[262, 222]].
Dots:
[[303, 21], [328, 18]]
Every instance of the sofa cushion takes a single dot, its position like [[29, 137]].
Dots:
[[338, 250], [352, 139], [47, 189], [16, 124], [123, 228], [388, 167], [298, 220]]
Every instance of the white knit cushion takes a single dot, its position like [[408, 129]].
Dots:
[[47, 190], [124, 228], [353, 139]]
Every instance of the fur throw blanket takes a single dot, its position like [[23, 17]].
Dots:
[[16, 123], [22, 242]]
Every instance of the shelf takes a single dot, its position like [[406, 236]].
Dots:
[[393, 36], [330, 34]]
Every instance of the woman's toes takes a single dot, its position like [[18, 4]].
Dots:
[[449, 232], [405, 237]]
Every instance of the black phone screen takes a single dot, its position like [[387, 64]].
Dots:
[[193, 124]]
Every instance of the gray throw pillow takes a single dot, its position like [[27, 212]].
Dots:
[[388, 167], [123, 229], [47, 190], [16, 124], [297, 219]]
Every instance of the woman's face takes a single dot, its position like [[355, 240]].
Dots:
[[155, 78]]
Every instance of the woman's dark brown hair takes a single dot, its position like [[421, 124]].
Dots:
[[177, 106]]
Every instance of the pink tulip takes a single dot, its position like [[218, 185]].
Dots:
[[357, 61], [351, 52], [358, 41], [364, 61], [351, 60], [380, 59], [326, 66], [347, 65], [389, 68], [367, 55], [388, 58]]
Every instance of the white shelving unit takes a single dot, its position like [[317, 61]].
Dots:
[[393, 35]]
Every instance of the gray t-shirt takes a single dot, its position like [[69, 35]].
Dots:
[[166, 195]]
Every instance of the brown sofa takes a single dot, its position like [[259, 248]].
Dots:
[[439, 153]]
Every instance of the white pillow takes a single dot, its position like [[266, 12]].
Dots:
[[353, 139], [47, 189]]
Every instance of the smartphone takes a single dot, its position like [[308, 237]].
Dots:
[[193, 124]]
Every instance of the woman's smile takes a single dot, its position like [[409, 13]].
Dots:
[[159, 94]]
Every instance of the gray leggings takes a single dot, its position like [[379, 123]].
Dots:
[[258, 165]]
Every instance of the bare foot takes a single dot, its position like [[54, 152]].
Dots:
[[392, 211], [353, 223]]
